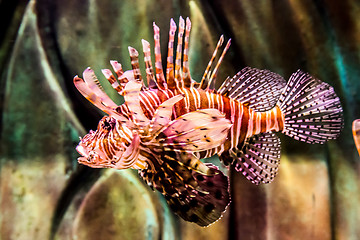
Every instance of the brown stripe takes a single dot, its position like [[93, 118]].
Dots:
[[263, 122], [272, 119], [204, 101], [106, 148], [227, 109]]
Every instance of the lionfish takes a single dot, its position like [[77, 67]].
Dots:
[[356, 133], [165, 127]]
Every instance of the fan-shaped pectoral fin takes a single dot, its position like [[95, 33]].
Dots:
[[195, 131]]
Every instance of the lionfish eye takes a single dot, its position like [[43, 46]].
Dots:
[[106, 125], [113, 162]]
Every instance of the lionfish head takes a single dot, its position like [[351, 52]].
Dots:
[[106, 147]]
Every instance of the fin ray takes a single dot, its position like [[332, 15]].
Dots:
[[260, 89], [179, 49], [170, 57], [134, 58], [195, 131], [186, 70], [93, 83], [193, 196], [313, 112], [205, 79], [160, 78], [148, 65], [259, 159]]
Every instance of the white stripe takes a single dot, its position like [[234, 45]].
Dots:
[[208, 98], [222, 104], [187, 100], [250, 123], [268, 121], [258, 123], [276, 123], [232, 116], [147, 58], [145, 101]]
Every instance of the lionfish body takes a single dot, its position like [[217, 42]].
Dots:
[[165, 128]]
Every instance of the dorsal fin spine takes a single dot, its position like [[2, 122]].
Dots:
[[134, 57], [148, 65], [204, 80], [179, 48], [212, 79], [186, 70], [170, 57], [160, 78]]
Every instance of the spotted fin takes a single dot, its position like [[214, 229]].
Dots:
[[170, 56], [160, 78], [193, 196], [149, 70], [259, 159], [185, 64], [134, 57], [313, 112], [177, 70], [107, 106], [179, 52], [93, 83], [260, 89], [195, 131], [112, 80]]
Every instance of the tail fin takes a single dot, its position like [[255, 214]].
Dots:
[[312, 111]]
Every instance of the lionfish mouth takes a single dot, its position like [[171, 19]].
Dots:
[[82, 151], [85, 155], [88, 157]]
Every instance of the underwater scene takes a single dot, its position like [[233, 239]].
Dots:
[[180, 119]]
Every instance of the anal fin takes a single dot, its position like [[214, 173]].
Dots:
[[192, 195], [259, 159], [207, 202], [189, 160]]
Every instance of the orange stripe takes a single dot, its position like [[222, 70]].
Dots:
[[281, 119]]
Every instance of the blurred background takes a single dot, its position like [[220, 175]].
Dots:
[[45, 194]]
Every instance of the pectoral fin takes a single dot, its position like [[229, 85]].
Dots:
[[195, 131]]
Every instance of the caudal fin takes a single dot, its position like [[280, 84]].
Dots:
[[313, 112]]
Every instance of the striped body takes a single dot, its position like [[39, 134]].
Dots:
[[246, 122]]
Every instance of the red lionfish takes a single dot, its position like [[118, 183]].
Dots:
[[165, 128], [356, 133]]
